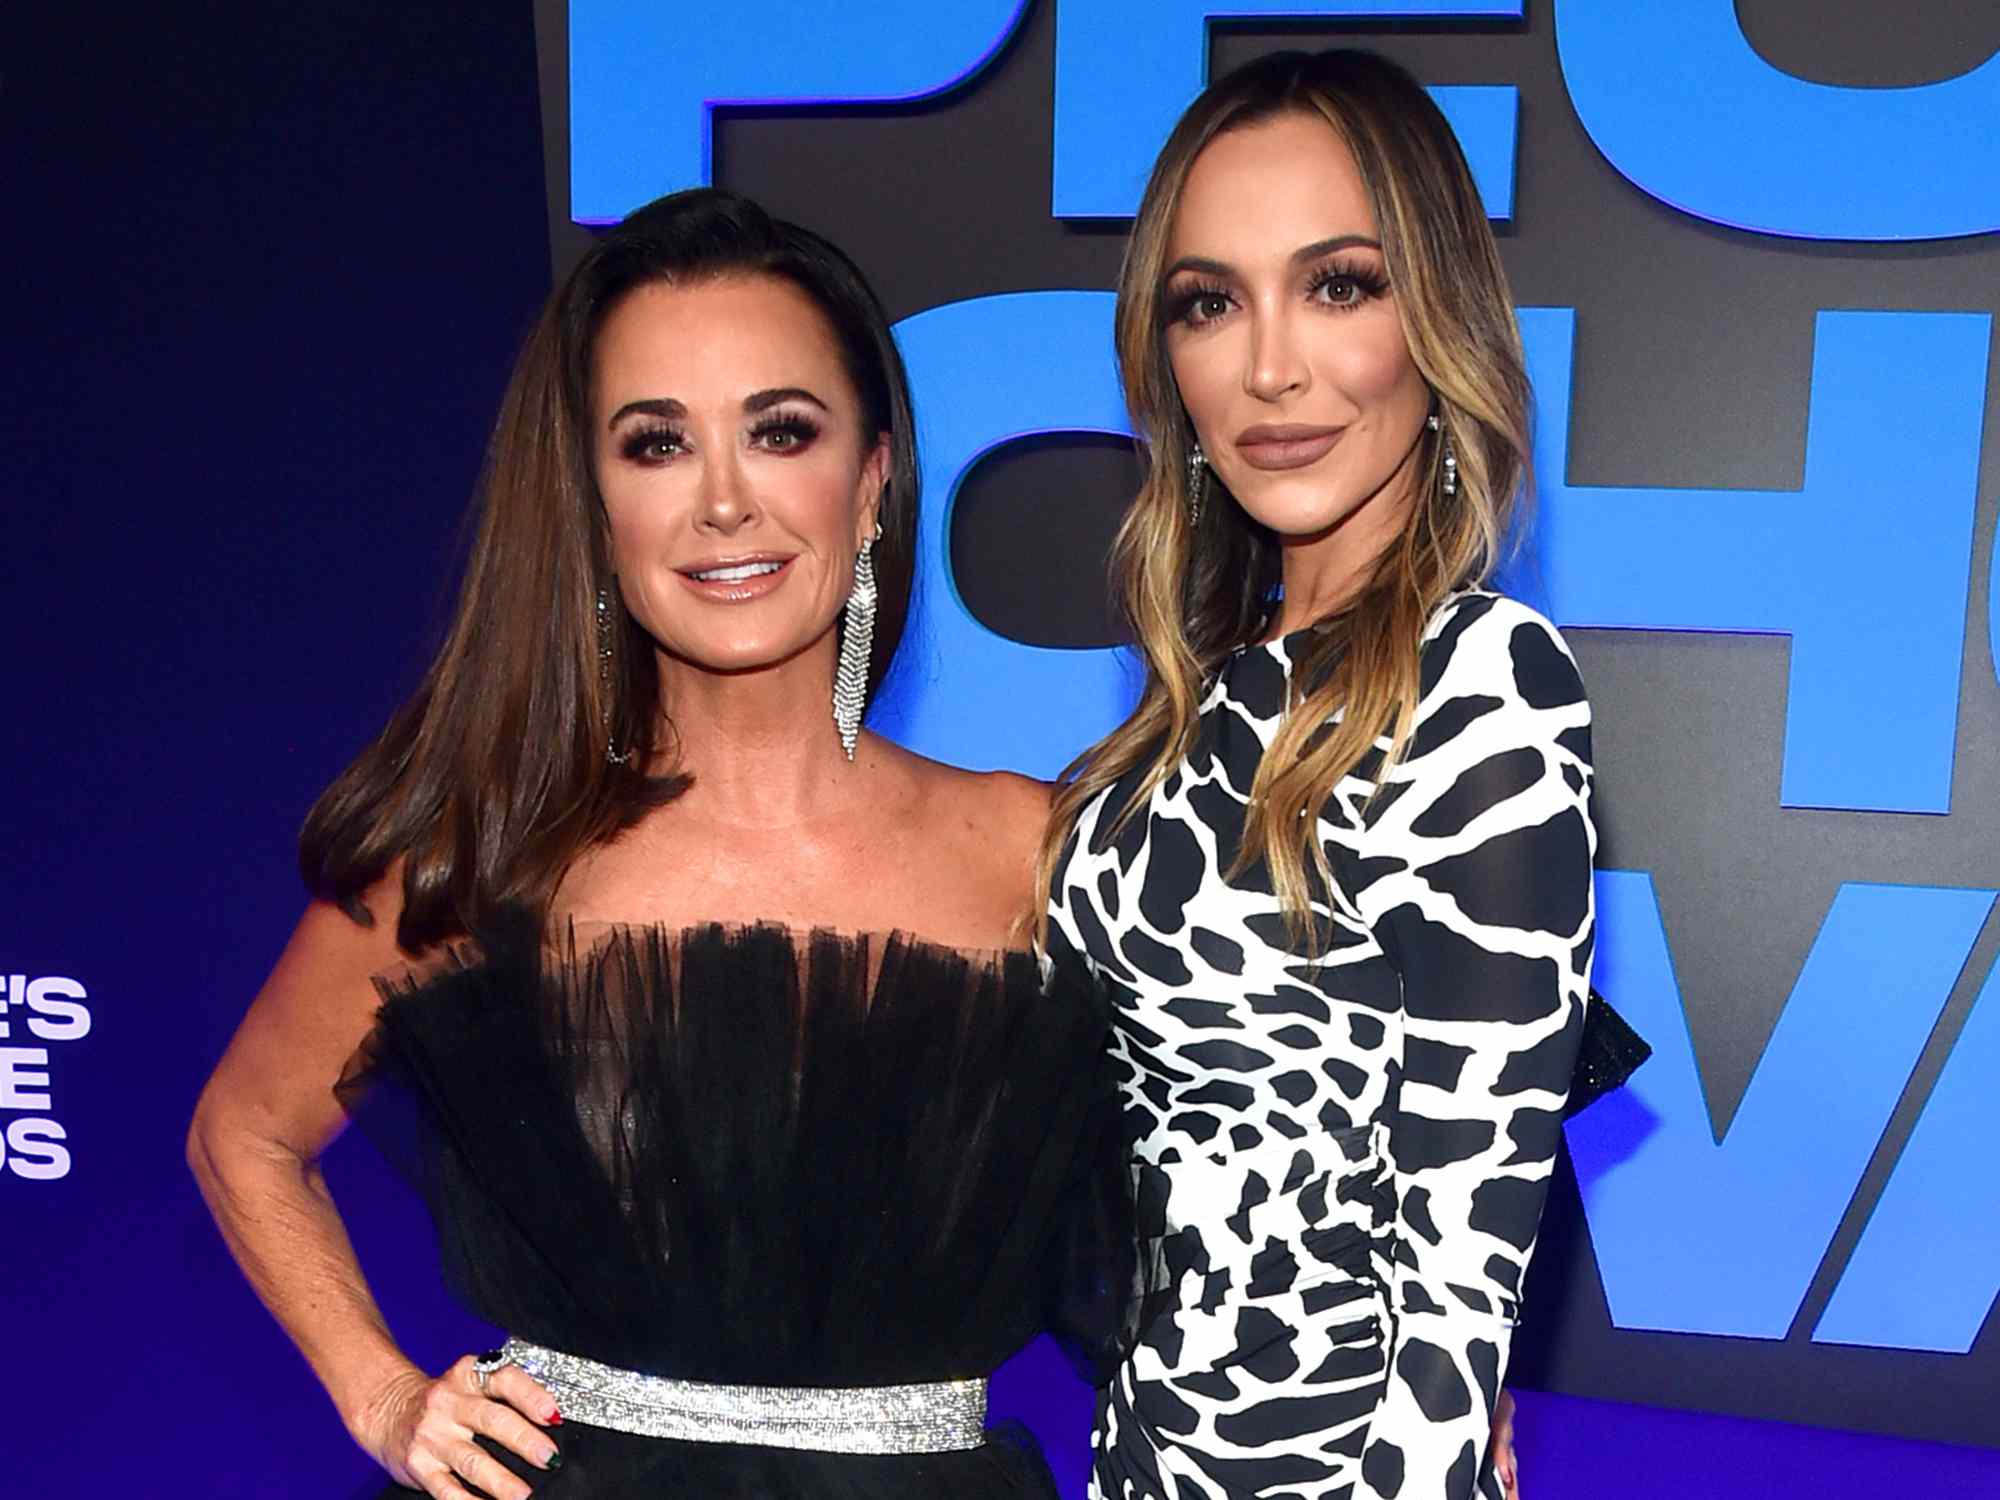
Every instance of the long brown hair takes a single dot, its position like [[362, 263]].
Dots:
[[1195, 591], [494, 776]]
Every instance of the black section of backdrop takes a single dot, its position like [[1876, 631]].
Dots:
[[267, 270]]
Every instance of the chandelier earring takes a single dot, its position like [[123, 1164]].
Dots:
[[1197, 483], [857, 642], [605, 627]]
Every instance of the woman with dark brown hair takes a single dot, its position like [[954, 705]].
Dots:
[[700, 1013], [1337, 865]]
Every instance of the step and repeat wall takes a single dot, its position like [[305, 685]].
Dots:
[[268, 288]]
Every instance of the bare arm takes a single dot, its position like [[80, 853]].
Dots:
[[263, 1120], [264, 1117]]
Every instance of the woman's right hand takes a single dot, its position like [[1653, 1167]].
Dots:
[[421, 1430]]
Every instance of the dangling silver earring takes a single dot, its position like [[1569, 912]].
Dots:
[[857, 640], [1450, 455], [612, 753], [1197, 483]]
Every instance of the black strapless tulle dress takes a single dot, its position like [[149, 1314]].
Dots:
[[750, 1157]]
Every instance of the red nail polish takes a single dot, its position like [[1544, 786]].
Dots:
[[555, 1418]]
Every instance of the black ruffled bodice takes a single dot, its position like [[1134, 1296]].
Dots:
[[748, 1156]]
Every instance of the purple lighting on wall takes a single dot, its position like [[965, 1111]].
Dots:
[[1572, 1448]]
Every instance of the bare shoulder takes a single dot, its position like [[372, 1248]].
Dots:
[[1009, 806], [1001, 806], [345, 944], [966, 842], [999, 811]]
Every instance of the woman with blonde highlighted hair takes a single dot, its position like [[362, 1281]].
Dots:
[[1337, 864]]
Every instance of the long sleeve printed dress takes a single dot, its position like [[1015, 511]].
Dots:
[[1342, 1155]]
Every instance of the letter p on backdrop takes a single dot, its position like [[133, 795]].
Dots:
[[645, 78]]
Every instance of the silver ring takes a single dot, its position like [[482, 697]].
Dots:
[[484, 1366]]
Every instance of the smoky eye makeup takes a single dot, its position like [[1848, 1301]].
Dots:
[[1194, 301], [652, 441], [1347, 282], [655, 441], [785, 431], [1342, 282]]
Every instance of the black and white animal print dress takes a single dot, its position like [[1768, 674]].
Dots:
[[1342, 1158]]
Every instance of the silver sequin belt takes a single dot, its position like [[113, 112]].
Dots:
[[937, 1417]]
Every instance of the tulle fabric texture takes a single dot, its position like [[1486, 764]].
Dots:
[[748, 1156]]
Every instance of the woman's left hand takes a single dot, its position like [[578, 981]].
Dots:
[[1504, 1462]]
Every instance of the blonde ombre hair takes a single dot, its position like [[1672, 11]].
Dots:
[[1195, 590]]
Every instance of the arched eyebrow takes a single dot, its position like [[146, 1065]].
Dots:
[[657, 406], [765, 400], [1300, 256], [675, 411]]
